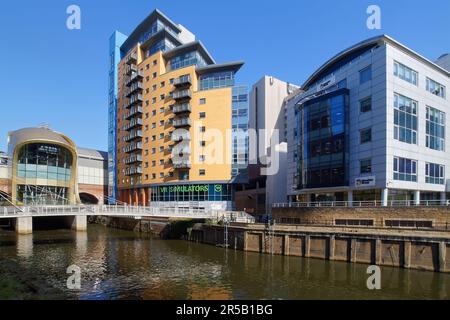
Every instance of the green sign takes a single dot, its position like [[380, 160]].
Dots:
[[190, 188]]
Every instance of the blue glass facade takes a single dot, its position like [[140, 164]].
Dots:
[[186, 60], [115, 42], [217, 80], [323, 141]]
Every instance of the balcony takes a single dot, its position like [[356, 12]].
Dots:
[[182, 81], [137, 134], [182, 165], [181, 95], [131, 171], [135, 77], [136, 99], [134, 111], [182, 108], [136, 87], [135, 158], [130, 69], [183, 122], [178, 137], [132, 59], [137, 122], [132, 147]]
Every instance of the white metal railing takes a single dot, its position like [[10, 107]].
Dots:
[[365, 204], [124, 211]]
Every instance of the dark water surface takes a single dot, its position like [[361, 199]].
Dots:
[[124, 265]]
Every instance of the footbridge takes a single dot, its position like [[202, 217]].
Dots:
[[77, 214]]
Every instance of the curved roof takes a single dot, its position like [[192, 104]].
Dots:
[[191, 46], [29, 135], [358, 49], [92, 154], [230, 66]]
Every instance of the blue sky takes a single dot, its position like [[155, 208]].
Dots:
[[52, 75]]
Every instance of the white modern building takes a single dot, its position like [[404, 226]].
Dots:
[[267, 118], [371, 125]]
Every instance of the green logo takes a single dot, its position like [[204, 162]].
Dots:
[[218, 188]]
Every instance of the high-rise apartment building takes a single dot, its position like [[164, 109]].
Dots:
[[371, 125], [181, 122]]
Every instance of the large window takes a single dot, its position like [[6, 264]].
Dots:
[[405, 73], [187, 59], [436, 88], [365, 75], [44, 161], [217, 80], [435, 129], [405, 169], [405, 119], [366, 166], [434, 173], [365, 105]]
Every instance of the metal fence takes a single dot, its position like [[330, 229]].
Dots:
[[364, 204]]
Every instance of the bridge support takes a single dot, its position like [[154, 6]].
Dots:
[[77, 223], [24, 225]]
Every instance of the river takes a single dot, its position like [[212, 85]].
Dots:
[[123, 265]]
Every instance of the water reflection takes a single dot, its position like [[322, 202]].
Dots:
[[124, 265]]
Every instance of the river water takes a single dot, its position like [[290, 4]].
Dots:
[[125, 265]]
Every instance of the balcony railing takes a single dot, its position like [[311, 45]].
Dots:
[[136, 122], [182, 165], [180, 137], [183, 81], [183, 122], [135, 76], [138, 134], [132, 147], [131, 171], [133, 112], [130, 69], [183, 94], [182, 108], [135, 87], [135, 158], [132, 59], [136, 99]]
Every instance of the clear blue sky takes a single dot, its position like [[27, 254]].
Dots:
[[52, 75]]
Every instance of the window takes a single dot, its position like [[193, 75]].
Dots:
[[161, 110], [405, 73], [202, 115], [436, 88], [153, 100], [405, 169], [202, 143], [366, 135], [434, 173], [153, 112], [154, 125], [365, 105], [147, 67], [435, 137], [154, 87], [163, 96], [202, 129], [153, 138], [161, 149], [217, 80], [202, 172], [365, 75], [161, 162], [153, 150], [405, 119], [153, 163], [202, 101], [161, 123], [172, 80], [202, 158], [154, 75], [155, 62], [366, 166], [163, 84], [153, 176], [161, 136]]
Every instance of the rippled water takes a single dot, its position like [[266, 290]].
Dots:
[[124, 265]]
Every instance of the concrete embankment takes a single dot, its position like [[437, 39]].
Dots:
[[410, 249], [163, 228]]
